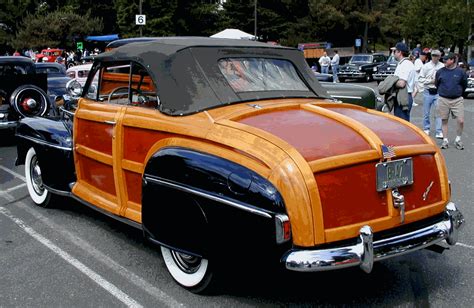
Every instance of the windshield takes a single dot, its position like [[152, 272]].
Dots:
[[359, 59], [50, 71], [261, 74], [392, 59], [8, 69]]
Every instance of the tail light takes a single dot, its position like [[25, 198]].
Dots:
[[282, 228]]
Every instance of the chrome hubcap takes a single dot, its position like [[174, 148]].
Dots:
[[188, 264], [35, 174]]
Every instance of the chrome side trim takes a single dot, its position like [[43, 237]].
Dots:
[[346, 96], [57, 191], [42, 142], [238, 205], [367, 251], [9, 124]]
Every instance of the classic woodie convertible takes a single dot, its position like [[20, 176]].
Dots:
[[226, 151]]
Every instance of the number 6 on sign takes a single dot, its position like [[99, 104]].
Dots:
[[140, 20]]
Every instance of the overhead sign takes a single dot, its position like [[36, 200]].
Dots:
[[140, 20], [80, 45], [358, 42]]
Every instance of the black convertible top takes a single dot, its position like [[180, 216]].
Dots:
[[186, 73]]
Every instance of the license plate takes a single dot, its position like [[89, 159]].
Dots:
[[395, 173]]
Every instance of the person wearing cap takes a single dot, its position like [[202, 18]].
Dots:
[[430, 94], [405, 72], [418, 65], [451, 82]]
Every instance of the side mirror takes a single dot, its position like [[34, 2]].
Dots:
[[74, 88]]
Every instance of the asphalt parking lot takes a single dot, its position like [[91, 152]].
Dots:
[[70, 255]]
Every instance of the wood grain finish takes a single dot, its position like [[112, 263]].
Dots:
[[320, 155]]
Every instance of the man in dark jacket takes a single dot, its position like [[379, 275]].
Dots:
[[451, 82]]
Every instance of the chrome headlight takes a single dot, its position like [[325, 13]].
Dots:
[[375, 69], [74, 88], [360, 68], [2, 116]]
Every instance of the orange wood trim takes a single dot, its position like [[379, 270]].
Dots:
[[96, 197], [117, 154], [374, 141], [132, 166], [340, 233], [343, 160], [93, 154], [98, 116], [132, 213], [251, 111], [443, 176], [411, 150]]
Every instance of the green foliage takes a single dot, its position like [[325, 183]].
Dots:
[[56, 29]]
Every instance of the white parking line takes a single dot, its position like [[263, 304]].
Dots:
[[17, 175], [465, 245], [109, 287], [8, 190]]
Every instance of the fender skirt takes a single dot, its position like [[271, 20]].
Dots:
[[52, 141], [205, 205]]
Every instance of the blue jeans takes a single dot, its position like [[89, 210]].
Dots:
[[335, 70], [324, 69], [404, 114], [430, 101]]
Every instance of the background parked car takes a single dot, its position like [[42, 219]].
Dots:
[[22, 91], [49, 55], [79, 72], [57, 79], [385, 69], [361, 66]]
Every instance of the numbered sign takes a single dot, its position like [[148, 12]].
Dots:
[[140, 20]]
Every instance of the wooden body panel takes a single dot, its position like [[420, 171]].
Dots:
[[291, 159]]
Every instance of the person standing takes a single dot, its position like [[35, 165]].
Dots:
[[419, 62], [335, 66], [451, 82], [430, 93], [324, 62], [405, 72]]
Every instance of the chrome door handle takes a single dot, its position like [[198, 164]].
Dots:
[[110, 122]]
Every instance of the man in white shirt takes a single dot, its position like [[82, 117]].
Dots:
[[419, 62], [405, 71], [324, 62], [430, 93], [335, 66]]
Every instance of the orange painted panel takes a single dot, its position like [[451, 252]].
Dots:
[[390, 131], [134, 186], [95, 135], [138, 142], [313, 135], [425, 171], [97, 174], [360, 200]]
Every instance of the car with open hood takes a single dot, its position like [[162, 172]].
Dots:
[[229, 151], [361, 67]]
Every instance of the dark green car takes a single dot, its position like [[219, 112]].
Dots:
[[353, 94]]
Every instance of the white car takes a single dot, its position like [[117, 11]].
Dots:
[[79, 72]]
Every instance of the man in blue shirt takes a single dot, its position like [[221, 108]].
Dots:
[[451, 82]]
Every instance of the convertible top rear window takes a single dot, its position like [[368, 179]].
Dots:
[[261, 74]]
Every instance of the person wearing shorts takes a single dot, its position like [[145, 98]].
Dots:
[[451, 82]]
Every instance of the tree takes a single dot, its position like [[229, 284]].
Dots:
[[55, 29]]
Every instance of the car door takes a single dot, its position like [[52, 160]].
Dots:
[[97, 138]]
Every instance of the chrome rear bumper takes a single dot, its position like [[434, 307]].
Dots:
[[367, 251]]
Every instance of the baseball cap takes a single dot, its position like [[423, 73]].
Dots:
[[436, 52], [402, 47], [449, 55]]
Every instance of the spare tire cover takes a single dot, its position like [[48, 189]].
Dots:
[[29, 100]]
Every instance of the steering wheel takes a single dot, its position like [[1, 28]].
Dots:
[[139, 92]]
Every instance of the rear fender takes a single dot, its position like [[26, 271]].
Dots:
[[202, 204]]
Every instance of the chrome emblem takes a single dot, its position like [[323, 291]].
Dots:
[[427, 191], [399, 203]]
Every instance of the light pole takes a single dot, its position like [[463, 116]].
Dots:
[[140, 9], [255, 20]]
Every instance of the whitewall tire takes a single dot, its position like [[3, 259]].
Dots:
[[38, 193], [192, 273]]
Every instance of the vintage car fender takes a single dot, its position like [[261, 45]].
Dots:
[[205, 193], [52, 141]]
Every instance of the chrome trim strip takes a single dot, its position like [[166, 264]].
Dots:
[[346, 96], [8, 124], [44, 143], [238, 205], [57, 191], [367, 251]]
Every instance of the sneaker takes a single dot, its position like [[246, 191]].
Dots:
[[445, 144], [427, 131], [415, 104], [459, 145], [439, 135]]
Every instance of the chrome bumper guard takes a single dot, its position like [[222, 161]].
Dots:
[[367, 251]]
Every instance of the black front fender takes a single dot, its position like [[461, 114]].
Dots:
[[202, 204], [52, 141]]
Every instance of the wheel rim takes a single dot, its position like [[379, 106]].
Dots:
[[188, 264], [35, 175]]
